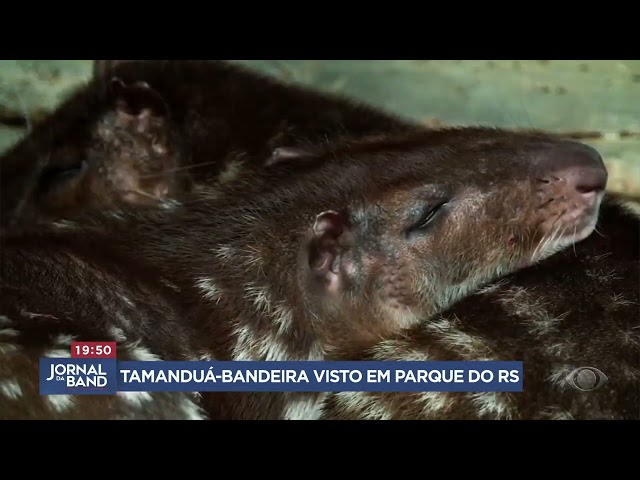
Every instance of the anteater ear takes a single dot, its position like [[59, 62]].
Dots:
[[331, 238], [137, 103]]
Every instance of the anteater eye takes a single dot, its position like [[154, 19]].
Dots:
[[51, 176], [427, 215]]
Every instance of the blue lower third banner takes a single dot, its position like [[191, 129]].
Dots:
[[108, 376]]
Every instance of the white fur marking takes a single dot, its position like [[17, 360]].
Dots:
[[142, 354], [558, 376], [169, 284], [170, 204], [363, 404], [251, 257], [618, 300], [399, 351], [248, 347], [231, 171], [60, 403], [192, 411], [603, 276], [10, 389], [434, 403], [496, 405], [559, 348], [283, 318], [117, 334], [136, 399], [7, 348], [259, 296], [307, 408], [58, 353], [64, 224], [225, 252], [556, 413], [203, 357], [209, 289], [519, 302], [467, 346], [64, 340], [491, 288], [630, 337], [37, 315], [126, 300], [124, 320], [9, 332]]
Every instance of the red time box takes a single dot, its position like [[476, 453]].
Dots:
[[93, 349]]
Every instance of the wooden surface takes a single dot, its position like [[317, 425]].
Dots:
[[598, 101]]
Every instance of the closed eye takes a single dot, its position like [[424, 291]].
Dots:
[[52, 176], [427, 216]]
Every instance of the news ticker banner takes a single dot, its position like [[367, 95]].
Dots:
[[93, 369]]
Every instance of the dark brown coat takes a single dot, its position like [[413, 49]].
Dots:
[[371, 238]]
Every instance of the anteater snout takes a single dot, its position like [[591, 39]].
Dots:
[[577, 167], [584, 181], [573, 178]]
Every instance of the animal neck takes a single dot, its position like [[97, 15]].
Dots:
[[256, 293]]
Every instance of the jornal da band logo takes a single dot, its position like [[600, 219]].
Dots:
[[91, 370], [78, 375]]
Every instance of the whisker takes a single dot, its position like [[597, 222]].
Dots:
[[539, 247], [195, 165], [553, 243], [560, 237], [139, 192], [535, 250], [552, 239], [547, 239], [534, 236], [595, 229], [557, 235]]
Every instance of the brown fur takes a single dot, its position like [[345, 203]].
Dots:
[[67, 137], [290, 267], [579, 308], [148, 131]]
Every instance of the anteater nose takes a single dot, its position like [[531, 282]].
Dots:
[[587, 181], [579, 167]]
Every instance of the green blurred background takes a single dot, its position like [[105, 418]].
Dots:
[[597, 100]]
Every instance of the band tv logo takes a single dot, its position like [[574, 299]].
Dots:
[[75, 376]]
